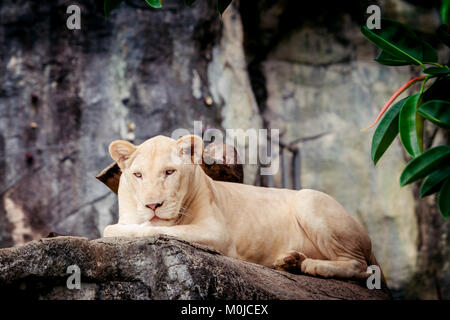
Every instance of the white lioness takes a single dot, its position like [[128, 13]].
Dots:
[[285, 229]]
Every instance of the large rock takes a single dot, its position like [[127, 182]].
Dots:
[[158, 267]]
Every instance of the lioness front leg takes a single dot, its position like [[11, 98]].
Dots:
[[122, 230], [185, 232], [191, 233]]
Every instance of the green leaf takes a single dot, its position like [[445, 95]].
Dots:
[[429, 54], [445, 11], [434, 181], [189, 3], [436, 70], [424, 164], [110, 5], [154, 3], [443, 33], [222, 5], [410, 127], [400, 42], [386, 131], [437, 111], [444, 198], [389, 60]]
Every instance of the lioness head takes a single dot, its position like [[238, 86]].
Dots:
[[158, 175]]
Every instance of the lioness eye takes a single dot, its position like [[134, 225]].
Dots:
[[138, 175], [169, 172]]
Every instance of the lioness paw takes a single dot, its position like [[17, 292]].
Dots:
[[123, 230], [109, 231], [290, 262]]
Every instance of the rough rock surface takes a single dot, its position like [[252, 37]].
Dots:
[[158, 267]]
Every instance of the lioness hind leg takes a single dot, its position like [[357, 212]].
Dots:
[[341, 243], [290, 261], [348, 268]]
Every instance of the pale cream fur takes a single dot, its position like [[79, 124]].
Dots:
[[279, 228]]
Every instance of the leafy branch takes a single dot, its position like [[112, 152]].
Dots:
[[401, 46]]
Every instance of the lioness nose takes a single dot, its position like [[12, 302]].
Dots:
[[154, 206]]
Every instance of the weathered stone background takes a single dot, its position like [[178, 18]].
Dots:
[[306, 70]]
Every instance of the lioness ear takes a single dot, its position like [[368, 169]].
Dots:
[[191, 146], [120, 151]]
